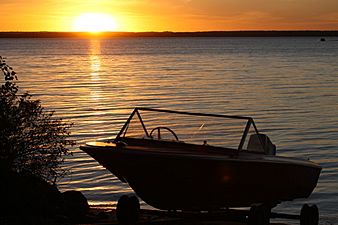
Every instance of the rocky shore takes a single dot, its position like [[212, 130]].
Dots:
[[26, 199]]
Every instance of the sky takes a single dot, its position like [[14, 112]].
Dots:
[[169, 15]]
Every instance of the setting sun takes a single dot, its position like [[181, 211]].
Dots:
[[94, 22]]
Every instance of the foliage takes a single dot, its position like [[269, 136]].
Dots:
[[33, 141]]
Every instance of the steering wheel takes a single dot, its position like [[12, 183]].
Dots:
[[159, 132]]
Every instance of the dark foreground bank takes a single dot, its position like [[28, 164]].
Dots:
[[26, 199]]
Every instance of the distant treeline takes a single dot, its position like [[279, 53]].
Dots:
[[170, 34]]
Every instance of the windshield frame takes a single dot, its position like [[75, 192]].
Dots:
[[136, 112]]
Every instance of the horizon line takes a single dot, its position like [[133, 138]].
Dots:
[[216, 33]]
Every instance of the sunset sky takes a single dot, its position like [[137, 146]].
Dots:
[[168, 15]]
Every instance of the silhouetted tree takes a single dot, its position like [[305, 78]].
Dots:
[[32, 139]]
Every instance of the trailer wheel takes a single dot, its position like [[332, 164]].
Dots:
[[259, 215], [134, 206], [314, 214], [309, 215], [127, 210]]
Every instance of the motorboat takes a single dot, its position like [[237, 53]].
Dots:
[[176, 160]]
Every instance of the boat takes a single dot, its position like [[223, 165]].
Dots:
[[176, 160]]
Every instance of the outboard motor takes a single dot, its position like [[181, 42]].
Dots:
[[261, 143]]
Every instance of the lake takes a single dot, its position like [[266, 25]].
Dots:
[[288, 85]]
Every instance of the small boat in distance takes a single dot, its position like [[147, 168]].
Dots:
[[177, 160]]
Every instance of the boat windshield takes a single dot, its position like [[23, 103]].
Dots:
[[193, 128]]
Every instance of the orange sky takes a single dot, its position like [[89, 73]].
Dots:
[[173, 15]]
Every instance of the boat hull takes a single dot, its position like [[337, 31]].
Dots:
[[178, 181]]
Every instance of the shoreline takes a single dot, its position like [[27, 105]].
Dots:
[[47, 34], [102, 215]]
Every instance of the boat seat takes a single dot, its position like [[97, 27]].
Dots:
[[255, 145]]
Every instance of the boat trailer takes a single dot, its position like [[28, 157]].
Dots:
[[129, 212]]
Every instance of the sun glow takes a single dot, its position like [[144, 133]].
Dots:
[[94, 22]]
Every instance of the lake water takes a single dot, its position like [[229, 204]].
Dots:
[[288, 85]]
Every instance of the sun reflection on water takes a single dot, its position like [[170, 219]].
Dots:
[[96, 80], [95, 61]]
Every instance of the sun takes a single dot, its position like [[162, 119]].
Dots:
[[94, 22]]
